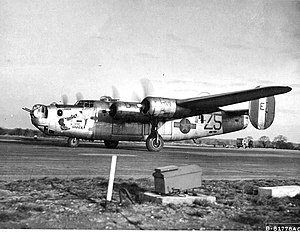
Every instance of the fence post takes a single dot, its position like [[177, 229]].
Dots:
[[111, 177]]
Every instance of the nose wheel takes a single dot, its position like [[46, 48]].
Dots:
[[73, 142]]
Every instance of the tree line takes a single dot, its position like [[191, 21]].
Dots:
[[279, 142], [21, 132]]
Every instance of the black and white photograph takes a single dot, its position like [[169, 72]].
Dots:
[[150, 115]]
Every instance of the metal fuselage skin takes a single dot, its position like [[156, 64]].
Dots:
[[93, 122]]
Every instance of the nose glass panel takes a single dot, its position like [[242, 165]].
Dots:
[[39, 111]]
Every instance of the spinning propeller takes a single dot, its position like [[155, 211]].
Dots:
[[147, 90], [115, 92], [65, 98], [147, 87]]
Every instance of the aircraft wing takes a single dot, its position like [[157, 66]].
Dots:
[[207, 103], [169, 109]]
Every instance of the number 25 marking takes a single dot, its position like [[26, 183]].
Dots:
[[217, 124]]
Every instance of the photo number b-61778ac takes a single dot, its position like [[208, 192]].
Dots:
[[156, 119]]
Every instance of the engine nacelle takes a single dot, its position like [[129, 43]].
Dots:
[[127, 112], [159, 107], [232, 122], [262, 112]]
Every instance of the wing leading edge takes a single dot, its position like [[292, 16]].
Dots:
[[225, 99]]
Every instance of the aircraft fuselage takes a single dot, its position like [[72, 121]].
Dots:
[[93, 122]]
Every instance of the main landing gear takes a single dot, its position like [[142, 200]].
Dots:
[[154, 142], [111, 144]]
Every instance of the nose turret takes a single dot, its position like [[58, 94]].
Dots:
[[39, 115], [39, 111]]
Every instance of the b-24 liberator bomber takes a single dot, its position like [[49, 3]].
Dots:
[[156, 119]]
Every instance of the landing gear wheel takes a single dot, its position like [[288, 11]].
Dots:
[[73, 142], [111, 143], [154, 142]]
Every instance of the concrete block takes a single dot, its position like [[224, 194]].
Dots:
[[279, 191], [185, 199], [169, 178]]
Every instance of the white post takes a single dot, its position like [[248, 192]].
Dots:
[[111, 177]]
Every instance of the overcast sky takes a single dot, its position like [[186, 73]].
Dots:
[[185, 48]]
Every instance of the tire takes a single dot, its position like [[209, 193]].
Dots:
[[73, 142], [154, 144], [111, 144]]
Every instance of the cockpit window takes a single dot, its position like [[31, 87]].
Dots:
[[106, 99], [85, 103]]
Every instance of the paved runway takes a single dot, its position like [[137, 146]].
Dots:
[[25, 158]]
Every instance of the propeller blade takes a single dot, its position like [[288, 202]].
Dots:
[[147, 90], [147, 87], [64, 99], [135, 97], [79, 96], [115, 92]]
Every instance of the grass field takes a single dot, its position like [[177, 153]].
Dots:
[[79, 203]]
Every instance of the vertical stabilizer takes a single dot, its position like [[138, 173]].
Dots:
[[262, 112]]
